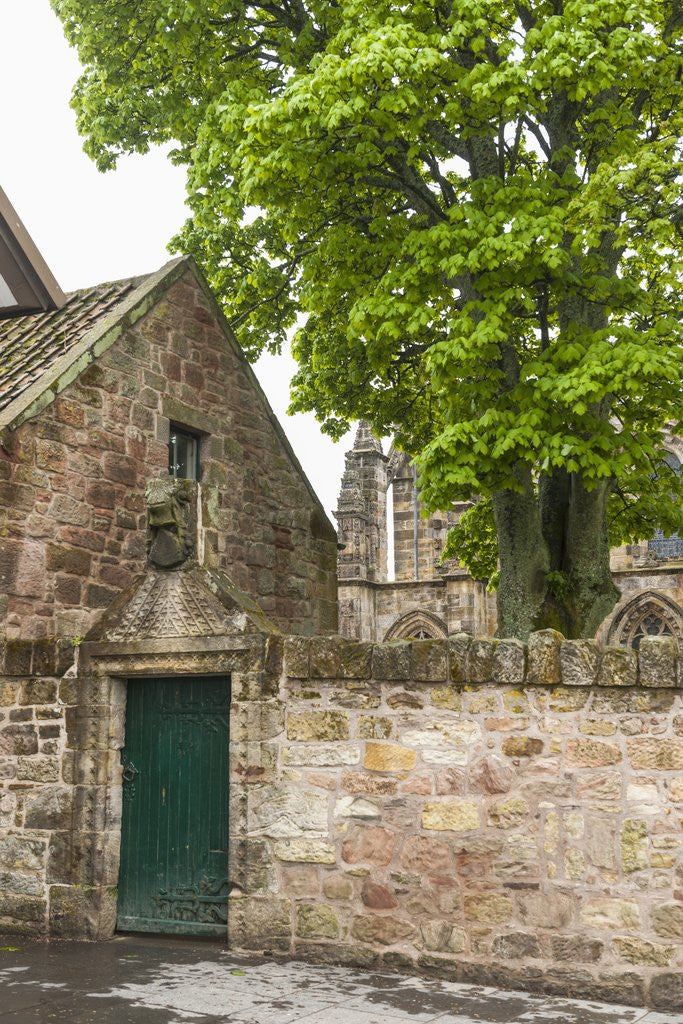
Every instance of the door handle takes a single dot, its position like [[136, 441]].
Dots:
[[129, 772]]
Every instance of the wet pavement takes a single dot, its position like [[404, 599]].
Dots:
[[168, 981]]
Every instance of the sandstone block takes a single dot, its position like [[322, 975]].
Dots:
[[429, 660], [600, 786], [388, 757], [449, 782], [589, 753], [385, 930], [374, 727], [634, 846], [657, 661], [425, 856], [546, 909], [356, 807], [316, 920], [337, 887], [618, 667], [325, 657], [509, 813], [391, 660], [321, 755], [516, 946], [667, 920], [544, 657], [297, 657], [577, 948], [458, 650], [451, 816], [480, 659], [611, 914], [579, 662], [509, 662], [491, 775], [654, 753], [359, 782], [666, 991], [20, 854], [307, 851], [377, 896], [446, 697], [401, 700], [356, 660], [369, 845], [522, 746], [640, 951], [300, 881], [285, 814], [442, 937], [260, 923], [49, 807], [318, 725], [488, 908]]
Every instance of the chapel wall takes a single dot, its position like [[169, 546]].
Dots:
[[72, 481]]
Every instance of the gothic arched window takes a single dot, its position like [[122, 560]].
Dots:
[[648, 614], [417, 625]]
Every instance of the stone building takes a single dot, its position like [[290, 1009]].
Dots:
[[428, 598]]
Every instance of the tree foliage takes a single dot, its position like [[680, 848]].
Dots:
[[473, 208]]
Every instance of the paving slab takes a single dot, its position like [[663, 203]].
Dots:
[[152, 980]]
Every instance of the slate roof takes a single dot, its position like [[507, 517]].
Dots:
[[31, 345]]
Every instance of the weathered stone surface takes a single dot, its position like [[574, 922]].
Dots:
[[509, 662], [458, 650], [657, 661], [666, 991], [369, 845], [509, 813], [579, 662], [356, 660], [522, 746], [316, 920], [375, 727], [576, 948], [618, 667], [356, 807], [386, 930], [443, 937], [20, 853], [391, 660], [310, 851], [388, 757], [297, 656], [634, 846], [287, 814], [451, 815], [588, 753], [377, 896], [610, 913], [359, 782], [49, 808], [337, 887], [640, 951], [429, 660], [544, 657], [261, 923], [516, 946], [546, 909], [321, 755], [318, 725], [325, 657], [491, 775], [426, 856], [654, 753], [667, 920], [480, 659], [488, 908]]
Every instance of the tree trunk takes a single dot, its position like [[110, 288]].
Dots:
[[554, 557]]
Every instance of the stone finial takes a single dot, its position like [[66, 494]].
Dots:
[[365, 441], [170, 522]]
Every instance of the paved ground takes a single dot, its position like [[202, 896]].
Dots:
[[157, 981]]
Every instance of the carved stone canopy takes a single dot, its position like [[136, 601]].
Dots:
[[191, 602]]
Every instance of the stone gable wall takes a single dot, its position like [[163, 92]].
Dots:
[[72, 479], [477, 809]]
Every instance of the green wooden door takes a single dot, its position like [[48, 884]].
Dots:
[[174, 831]]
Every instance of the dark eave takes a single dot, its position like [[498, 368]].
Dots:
[[26, 282]]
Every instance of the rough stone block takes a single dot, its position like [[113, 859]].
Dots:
[[516, 946], [611, 914], [429, 660], [480, 659], [657, 661], [451, 815], [260, 923], [385, 930], [297, 657], [544, 657], [443, 937], [391, 660], [458, 650], [318, 725], [488, 908], [356, 660], [388, 757], [325, 655], [509, 662], [655, 753], [640, 951], [305, 851], [316, 920], [618, 667], [75, 911], [579, 662], [666, 991], [589, 753], [667, 920], [369, 844], [283, 814]]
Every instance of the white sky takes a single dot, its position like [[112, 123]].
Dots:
[[93, 227]]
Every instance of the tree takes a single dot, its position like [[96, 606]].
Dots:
[[474, 206]]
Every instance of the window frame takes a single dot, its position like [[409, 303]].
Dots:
[[196, 437]]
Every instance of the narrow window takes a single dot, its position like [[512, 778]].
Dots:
[[183, 454]]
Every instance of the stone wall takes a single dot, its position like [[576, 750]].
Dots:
[[72, 480], [476, 809], [473, 808]]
